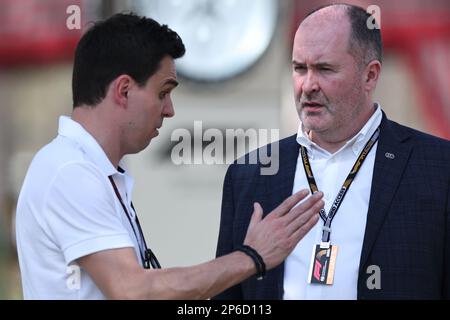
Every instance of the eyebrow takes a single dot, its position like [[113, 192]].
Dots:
[[172, 82], [315, 65]]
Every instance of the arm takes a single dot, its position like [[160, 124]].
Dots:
[[118, 274]]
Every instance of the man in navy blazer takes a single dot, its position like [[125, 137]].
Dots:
[[403, 240]]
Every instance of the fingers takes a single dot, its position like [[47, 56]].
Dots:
[[257, 214], [298, 235], [305, 206], [305, 217], [289, 203]]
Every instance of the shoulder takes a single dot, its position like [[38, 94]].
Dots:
[[419, 138], [60, 181], [57, 154], [251, 163], [62, 166], [427, 151]]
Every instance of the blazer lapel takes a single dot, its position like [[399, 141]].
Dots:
[[280, 185], [390, 162]]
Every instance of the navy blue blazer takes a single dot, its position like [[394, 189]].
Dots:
[[408, 221]]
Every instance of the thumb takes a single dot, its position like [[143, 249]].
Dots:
[[257, 214]]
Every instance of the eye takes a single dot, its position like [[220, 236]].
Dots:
[[300, 68], [325, 69], [163, 94]]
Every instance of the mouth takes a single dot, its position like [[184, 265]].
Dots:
[[157, 129], [311, 105]]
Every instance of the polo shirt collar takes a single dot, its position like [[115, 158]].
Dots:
[[74, 131], [357, 143]]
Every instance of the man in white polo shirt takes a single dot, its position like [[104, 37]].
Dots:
[[78, 236]]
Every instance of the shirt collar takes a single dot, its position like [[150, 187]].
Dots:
[[357, 143], [74, 131]]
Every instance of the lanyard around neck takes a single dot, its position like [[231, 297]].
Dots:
[[148, 258], [348, 181]]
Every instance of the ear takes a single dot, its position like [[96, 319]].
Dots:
[[121, 87], [371, 75]]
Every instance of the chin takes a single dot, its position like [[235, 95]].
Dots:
[[143, 145], [312, 121], [147, 143]]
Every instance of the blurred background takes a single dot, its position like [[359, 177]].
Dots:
[[236, 74]]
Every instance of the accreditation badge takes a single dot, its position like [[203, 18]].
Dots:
[[323, 262]]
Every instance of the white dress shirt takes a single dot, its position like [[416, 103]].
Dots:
[[349, 223]]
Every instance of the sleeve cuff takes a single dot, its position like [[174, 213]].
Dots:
[[89, 246]]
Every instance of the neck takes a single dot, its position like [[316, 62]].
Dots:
[[328, 145], [333, 141], [98, 123]]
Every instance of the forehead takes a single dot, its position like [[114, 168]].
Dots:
[[166, 68], [166, 72], [322, 38]]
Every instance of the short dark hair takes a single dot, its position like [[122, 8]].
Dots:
[[123, 44], [365, 44]]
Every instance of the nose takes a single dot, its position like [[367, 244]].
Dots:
[[310, 84], [168, 110]]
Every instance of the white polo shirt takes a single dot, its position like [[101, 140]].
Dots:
[[67, 209], [349, 224]]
